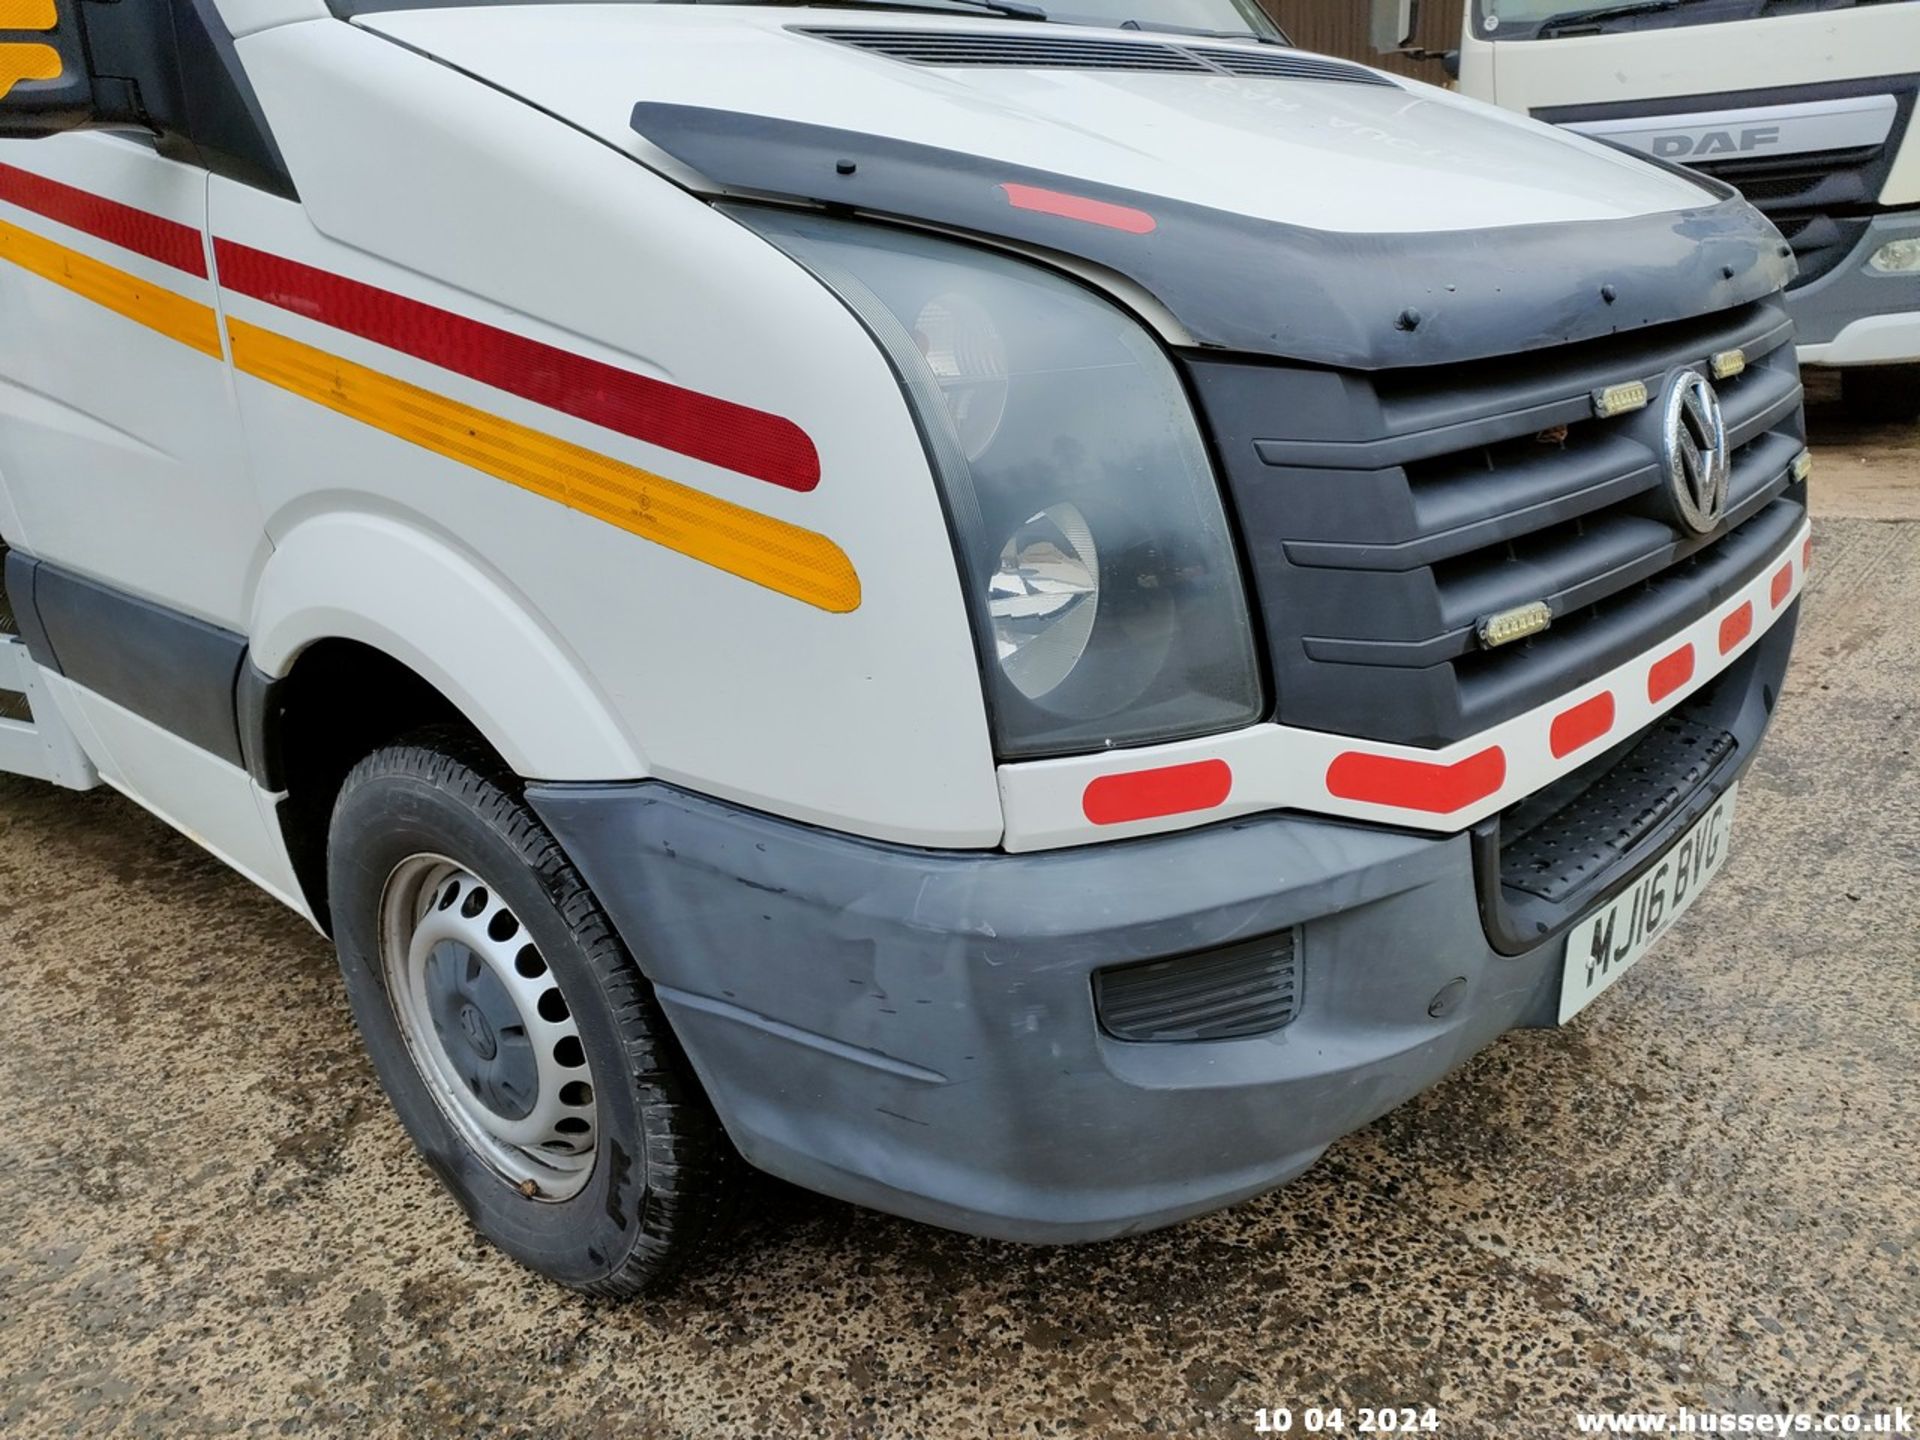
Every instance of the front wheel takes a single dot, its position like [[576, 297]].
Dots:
[[519, 1042], [1881, 394]]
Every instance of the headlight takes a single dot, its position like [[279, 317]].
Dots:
[[1898, 257], [1093, 544]]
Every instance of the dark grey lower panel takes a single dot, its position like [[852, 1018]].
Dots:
[[164, 666], [915, 1030]]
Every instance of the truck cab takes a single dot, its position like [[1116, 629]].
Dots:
[[1013, 614], [1805, 105]]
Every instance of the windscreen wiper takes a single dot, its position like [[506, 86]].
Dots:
[[1589, 14], [1162, 28]]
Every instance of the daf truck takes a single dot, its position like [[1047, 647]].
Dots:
[[1805, 105]]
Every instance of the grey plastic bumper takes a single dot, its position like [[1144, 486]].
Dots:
[[1851, 314], [914, 1030]]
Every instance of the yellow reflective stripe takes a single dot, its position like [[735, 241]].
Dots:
[[28, 15], [756, 547], [174, 316], [27, 62]]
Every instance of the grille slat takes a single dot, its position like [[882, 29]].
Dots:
[[1378, 551], [954, 48]]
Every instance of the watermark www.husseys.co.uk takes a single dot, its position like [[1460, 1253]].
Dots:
[[1897, 1421]]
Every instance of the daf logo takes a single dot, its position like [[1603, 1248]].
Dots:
[[1744, 141], [1695, 451]]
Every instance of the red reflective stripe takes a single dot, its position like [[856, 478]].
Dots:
[[1782, 585], [1735, 628], [737, 438], [1582, 725], [1670, 673], [167, 241], [1079, 207], [1417, 784], [1150, 794]]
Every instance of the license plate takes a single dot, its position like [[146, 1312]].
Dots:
[[1608, 943]]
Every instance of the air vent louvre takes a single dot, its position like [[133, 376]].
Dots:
[[1248, 989], [1067, 52], [943, 47], [1280, 65]]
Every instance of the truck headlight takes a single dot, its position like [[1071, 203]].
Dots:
[[1898, 257], [1094, 548]]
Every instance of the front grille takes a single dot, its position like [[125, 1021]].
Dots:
[[1386, 515], [1821, 202], [1067, 52], [1249, 989]]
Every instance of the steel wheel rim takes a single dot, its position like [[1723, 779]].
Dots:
[[488, 1028]]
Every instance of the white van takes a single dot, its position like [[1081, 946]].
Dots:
[[1019, 620]]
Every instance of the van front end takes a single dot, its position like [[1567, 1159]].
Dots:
[[1194, 965], [1018, 621], [1373, 628]]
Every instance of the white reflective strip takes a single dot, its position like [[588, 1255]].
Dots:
[[1798, 129], [1276, 767]]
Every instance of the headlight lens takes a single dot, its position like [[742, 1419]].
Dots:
[[1898, 257], [1092, 540], [1044, 600], [963, 349]]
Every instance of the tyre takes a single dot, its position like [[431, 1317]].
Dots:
[[1881, 394], [517, 1039]]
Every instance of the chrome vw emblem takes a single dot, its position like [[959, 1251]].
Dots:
[[1695, 451]]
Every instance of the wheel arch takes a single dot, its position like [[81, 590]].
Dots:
[[411, 595], [365, 629]]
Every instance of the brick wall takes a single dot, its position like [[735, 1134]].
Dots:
[[1340, 27]]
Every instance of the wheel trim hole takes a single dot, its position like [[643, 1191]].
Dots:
[[528, 964]]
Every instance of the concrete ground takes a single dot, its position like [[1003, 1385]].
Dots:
[[1706, 1192]]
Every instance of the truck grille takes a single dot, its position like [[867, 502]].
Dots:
[[1820, 202], [1386, 515]]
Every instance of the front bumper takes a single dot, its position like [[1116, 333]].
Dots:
[[915, 1030], [1856, 315]]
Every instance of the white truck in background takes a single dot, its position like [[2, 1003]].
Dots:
[[1806, 105]]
